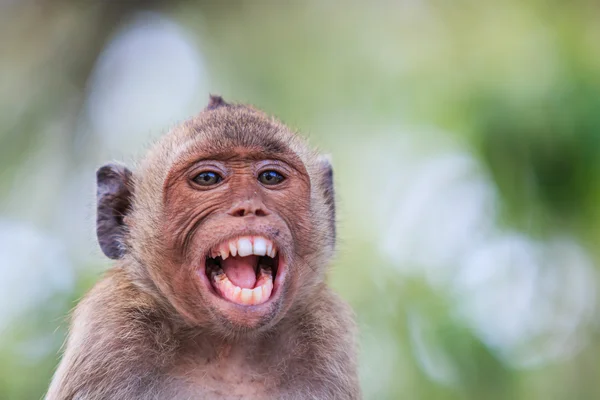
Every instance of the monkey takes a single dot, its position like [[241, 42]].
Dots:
[[221, 238]]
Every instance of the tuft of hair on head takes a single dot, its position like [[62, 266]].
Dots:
[[216, 102]]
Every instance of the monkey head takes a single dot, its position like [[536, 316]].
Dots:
[[229, 219]]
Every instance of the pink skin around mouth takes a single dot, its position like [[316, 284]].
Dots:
[[242, 270]]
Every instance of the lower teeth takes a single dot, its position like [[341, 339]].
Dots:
[[217, 273]]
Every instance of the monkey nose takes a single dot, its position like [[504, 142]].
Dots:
[[248, 208]]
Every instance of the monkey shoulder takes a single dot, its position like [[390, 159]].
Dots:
[[117, 346]]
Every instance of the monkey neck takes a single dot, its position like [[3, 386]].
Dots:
[[205, 342]]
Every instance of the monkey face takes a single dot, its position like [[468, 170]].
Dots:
[[237, 217], [230, 216]]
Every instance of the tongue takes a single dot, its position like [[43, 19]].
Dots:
[[240, 270]]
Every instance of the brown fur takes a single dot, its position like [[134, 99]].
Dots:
[[148, 330]]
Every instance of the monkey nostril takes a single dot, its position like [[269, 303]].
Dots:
[[246, 211], [240, 212]]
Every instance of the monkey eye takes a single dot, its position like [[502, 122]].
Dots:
[[207, 178], [270, 178]]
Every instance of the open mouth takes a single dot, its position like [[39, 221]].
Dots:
[[243, 270]]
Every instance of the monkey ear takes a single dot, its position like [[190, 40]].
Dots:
[[216, 102], [327, 188], [114, 191]]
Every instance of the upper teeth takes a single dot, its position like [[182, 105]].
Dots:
[[245, 246]]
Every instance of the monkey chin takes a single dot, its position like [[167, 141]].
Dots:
[[245, 278]]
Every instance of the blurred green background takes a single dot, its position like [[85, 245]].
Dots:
[[465, 138]]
